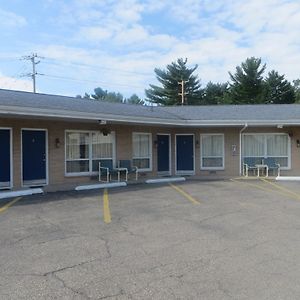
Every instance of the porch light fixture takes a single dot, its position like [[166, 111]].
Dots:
[[57, 143], [197, 143], [102, 122], [155, 143], [298, 143], [279, 126]]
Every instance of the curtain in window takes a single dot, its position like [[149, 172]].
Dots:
[[212, 145], [277, 145], [141, 145], [253, 146], [212, 148], [102, 146], [77, 145], [141, 150]]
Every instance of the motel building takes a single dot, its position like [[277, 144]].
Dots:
[[57, 142]]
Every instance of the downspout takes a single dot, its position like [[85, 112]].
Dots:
[[241, 131]]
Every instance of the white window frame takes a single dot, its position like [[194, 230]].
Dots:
[[223, 152], [90, 158], [150, 150], [265, 146]]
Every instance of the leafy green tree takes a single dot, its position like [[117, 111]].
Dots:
[[168, 92], [247, 85], [115, 97], [135, 99], [296, 86], [214, 93], [278, 90]]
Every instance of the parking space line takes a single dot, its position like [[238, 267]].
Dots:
[[254, 185], [6, 206], [283, 189], [106, 210], [185, 194]]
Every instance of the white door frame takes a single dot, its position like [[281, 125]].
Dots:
[[11, 157], [46, 147], [183, 172], [170, 159]]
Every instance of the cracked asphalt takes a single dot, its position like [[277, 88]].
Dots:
[[241, 242]]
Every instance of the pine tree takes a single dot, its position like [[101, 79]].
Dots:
[[214, 93], [278, 89], [168, 92], [247, 85]]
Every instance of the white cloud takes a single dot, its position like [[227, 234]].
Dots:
[[10, 19], [117, 45], [94, 33], [10, 83]]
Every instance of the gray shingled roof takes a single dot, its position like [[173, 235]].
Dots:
[[237, 112], [174, 115], [26, 99]]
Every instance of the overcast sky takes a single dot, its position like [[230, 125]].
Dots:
[[117, 44]]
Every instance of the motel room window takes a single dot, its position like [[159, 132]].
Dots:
[[260, 146], [212, 151], [102, 148], [142, 154], [84, 151]]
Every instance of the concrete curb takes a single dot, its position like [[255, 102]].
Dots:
[[163, 180], [28, 192], [100, 186], [287, 178]]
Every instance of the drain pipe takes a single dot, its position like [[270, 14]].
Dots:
[[241, 131]]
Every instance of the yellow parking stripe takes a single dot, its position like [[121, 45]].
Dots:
[[283, 189], [254, 185], [106, 210], [6, 206], [185, 194]]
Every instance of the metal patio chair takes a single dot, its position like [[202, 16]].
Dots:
[[127, 164], [106, 169], [272, 165], [249, 164]]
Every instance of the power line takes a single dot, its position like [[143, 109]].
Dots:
[[97, 67], [90, 81], [32, 58]]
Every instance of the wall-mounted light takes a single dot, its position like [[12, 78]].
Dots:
[[197, 143], [291, 134], [155, 143], [57, 143], [298, 143]]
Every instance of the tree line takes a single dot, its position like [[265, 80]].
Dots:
[[249, 84]]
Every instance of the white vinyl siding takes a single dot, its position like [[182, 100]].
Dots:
[[274, 145], [212, 151], [85, 149], [142, 151]]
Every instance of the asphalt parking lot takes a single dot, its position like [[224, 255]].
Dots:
[[235, 239]]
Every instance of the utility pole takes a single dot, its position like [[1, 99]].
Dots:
[[183, 93], [32, 58]]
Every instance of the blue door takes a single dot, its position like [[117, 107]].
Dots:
[[163, 153], [5, 159], [34, 156], [185, 153]]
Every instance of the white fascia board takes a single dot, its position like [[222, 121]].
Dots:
[[51, 113], [36, 112]]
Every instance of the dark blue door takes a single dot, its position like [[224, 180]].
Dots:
[[185, 152], [34, 155], [5, 158], [163, 153]]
